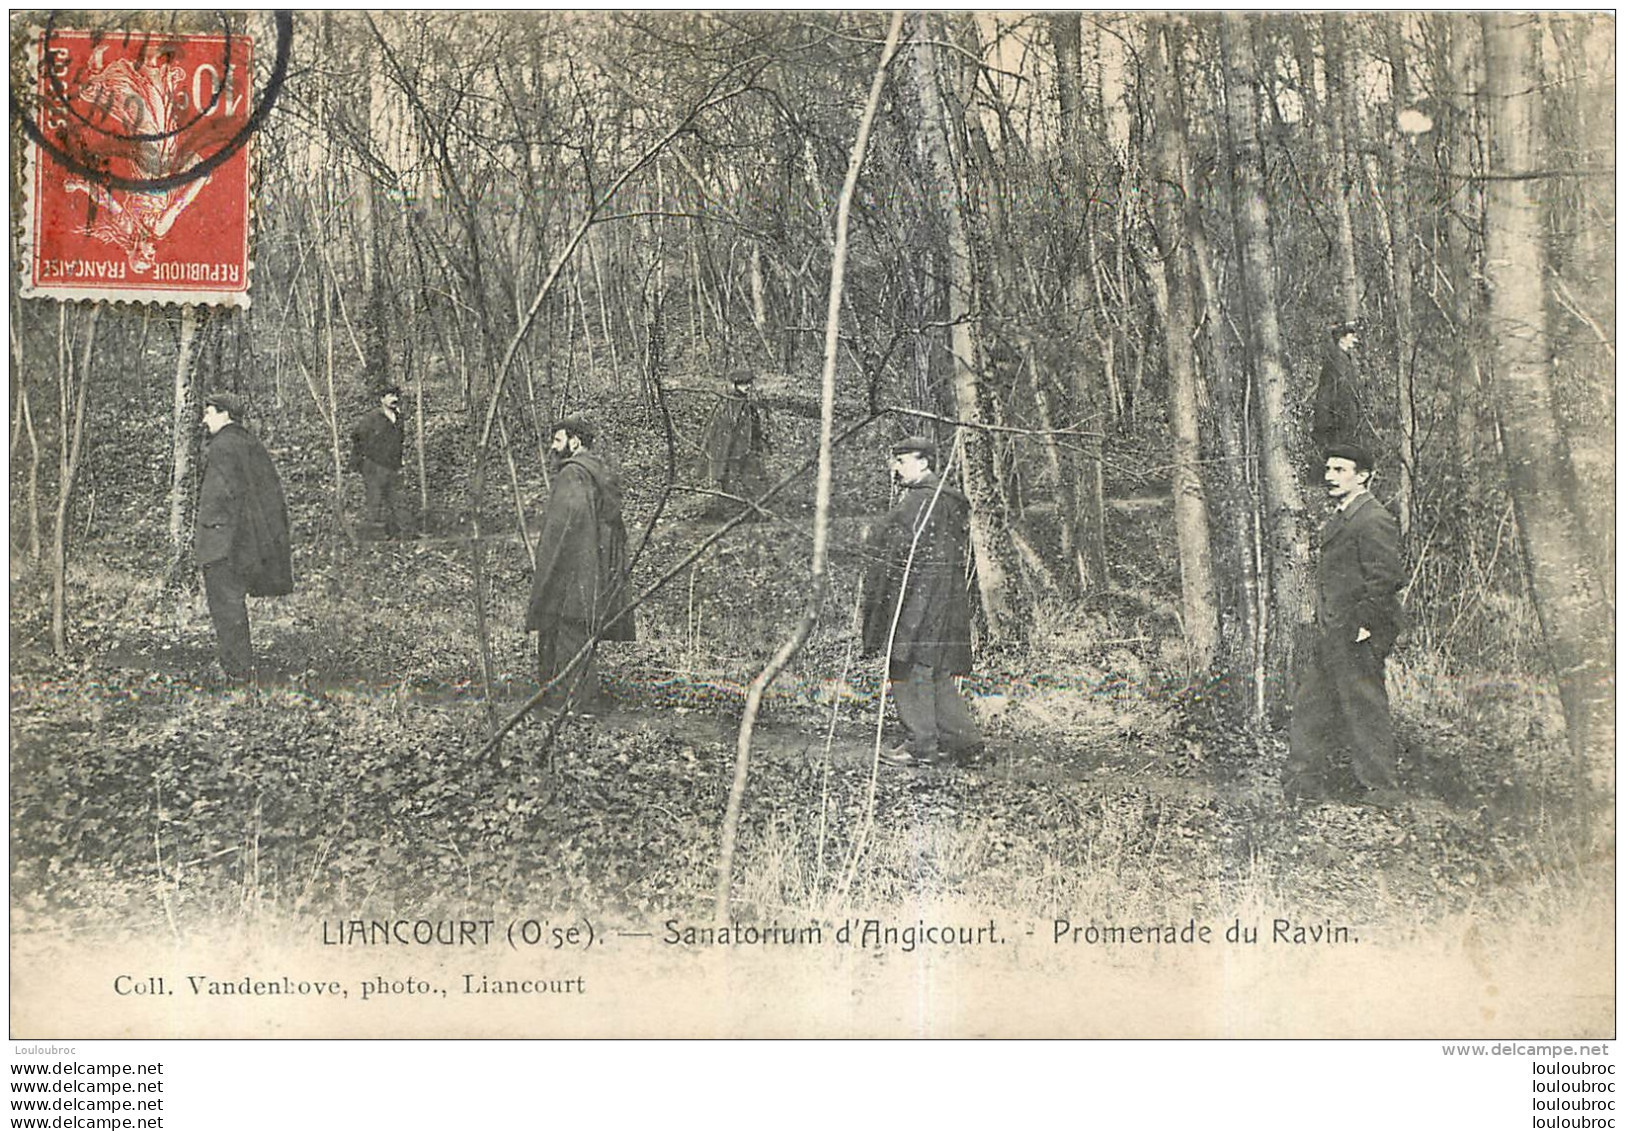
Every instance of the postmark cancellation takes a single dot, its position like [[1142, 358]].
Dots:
[[137, 182]]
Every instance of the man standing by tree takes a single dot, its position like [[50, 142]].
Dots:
[[580, 585], [735, 444], [242, 531], [916, 580], [1341, 701], [376, 444]]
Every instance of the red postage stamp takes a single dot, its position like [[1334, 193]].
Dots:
[[137, 182]]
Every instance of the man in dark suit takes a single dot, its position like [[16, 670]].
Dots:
[[1342, 703], [914, 601], [242, 537], [376, 446]]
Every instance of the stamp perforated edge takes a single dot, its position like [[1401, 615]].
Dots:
[[134, 296]]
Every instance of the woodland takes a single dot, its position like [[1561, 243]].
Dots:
[[1100, 257]]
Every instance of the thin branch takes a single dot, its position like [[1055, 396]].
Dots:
[[992, 427]]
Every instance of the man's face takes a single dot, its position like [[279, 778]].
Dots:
[[392, 401], [910, 467], [563, 443], [1342, 480], [214, 419], [1348, 341]]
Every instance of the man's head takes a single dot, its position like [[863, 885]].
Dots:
[[570, 435], [913, 459], [389, 396], [742, 380], [221, 409], [1347, 335], [1348, 469]]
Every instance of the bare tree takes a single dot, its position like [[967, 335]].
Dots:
[[1171, 285], [1575, 622], [1287, 548]]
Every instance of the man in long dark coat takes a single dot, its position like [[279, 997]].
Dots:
[[580, 586], [916, 581], [242, 540], [376, 445], [735, 445], [1341, 704]]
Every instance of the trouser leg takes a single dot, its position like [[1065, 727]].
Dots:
[[1369, 727], [956, 729], [397, 509], [228, 610], [1316, 722], [914, 688], [375, 476]]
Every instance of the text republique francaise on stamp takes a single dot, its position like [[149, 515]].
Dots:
[[137, 184]]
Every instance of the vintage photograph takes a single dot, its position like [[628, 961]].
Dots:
[[855, 524]]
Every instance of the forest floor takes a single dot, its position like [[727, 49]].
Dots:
[[348, 773]]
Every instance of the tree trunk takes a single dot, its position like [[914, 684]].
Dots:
[[1084, 379], [990, 542], [1574, 620], [1171, 287], [1287, 564], [23, 424], [1399, 232], [1340, 167], [183, 443], [1461, 227], [73, 385]]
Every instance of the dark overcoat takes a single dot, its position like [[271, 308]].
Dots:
[[582, 570], [1360, 573], [378, 439], [242, 516], [735, 440], [1337, 418], [933, 624]]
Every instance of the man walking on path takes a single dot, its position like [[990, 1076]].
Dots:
[[242, 538], [916, 578], [376, 445], [1342, 702], [582, 572]]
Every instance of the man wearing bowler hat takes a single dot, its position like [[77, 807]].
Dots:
[[1341, 706], [376, 445], [242, 539], [914, 599]]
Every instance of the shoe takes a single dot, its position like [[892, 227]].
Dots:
[[900, 756], [969, 756], [216, 678], [1382, 797], [1304, 793]]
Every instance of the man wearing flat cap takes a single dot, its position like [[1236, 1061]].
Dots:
[[735, 446], [1341, 705], [242, 540], [580, 587], [376, 445], [914, 599]]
